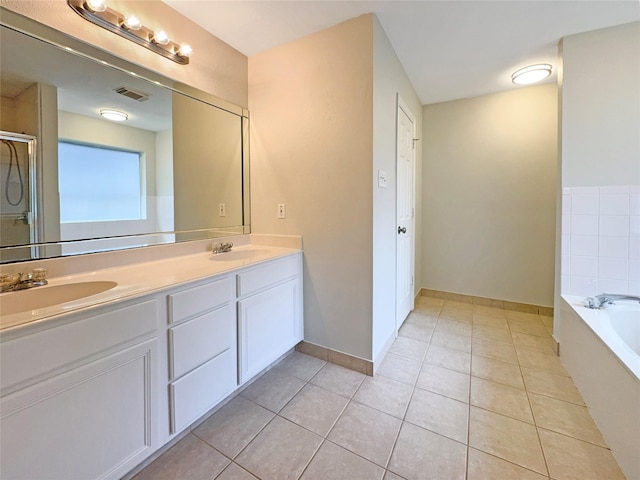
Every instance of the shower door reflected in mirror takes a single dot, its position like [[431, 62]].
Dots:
[[18, 192]]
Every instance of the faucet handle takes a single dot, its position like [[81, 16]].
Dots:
[[39, 276], [8, 281]]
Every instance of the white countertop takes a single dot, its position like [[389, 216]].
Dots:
[[139, 279]]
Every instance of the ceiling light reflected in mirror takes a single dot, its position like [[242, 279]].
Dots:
[[113, 115]]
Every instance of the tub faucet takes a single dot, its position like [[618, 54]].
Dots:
[[604, 299]]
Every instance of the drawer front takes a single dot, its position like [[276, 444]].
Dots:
[[25, 359], [196, 300], [267, 275], [195, 342], [200, 390]]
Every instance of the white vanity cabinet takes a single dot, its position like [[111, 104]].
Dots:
[[270, 320], [79, 399], [202, 350], [91, 395]]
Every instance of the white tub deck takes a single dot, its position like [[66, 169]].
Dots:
[[606, 371]]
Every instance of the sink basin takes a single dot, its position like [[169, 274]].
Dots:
[[47, 296], [239, 255]]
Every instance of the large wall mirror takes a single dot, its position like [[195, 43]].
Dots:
[[73, 181]]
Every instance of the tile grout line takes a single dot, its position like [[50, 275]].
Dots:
[[533, 415], [402, 421], [469, 410], [324, 439], [404, 416], [277, 414]]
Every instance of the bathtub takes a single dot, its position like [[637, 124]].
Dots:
[[601, 351]]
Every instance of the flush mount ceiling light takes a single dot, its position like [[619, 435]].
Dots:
[[531, 74], [130, 27], [114, 115]]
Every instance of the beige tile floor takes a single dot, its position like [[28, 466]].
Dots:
[[465, 392]]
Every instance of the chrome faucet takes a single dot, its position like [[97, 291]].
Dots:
[[604, 299], [35, 278], [222, 247]]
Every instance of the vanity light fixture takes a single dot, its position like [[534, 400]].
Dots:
[[113, 115], [130, 27], [531, 74]]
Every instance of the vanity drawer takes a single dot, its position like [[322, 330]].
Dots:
[[197, 300], [200, 390], [267, 275], [194, 342]]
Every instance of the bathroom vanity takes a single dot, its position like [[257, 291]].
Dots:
[[124, 350], [93, 389]]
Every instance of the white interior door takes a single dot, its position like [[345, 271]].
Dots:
[[405, 208]]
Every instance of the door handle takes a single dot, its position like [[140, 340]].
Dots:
[[402, 230]]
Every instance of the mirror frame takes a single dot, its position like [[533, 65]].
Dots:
[[34, 29]]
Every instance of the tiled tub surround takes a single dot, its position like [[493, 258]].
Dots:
[[465, 392], [600, 240]]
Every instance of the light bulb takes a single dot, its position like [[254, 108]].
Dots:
[[96, 5], [185, 50], [160, 37], [114, 115], [131, 22]]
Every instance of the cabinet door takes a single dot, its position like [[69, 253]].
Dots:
[[88, 423], [269, 324]]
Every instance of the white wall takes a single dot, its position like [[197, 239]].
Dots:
[[311, 103], [389, 80], [319, 134], [600, 111], [599, 234], [489, 193]]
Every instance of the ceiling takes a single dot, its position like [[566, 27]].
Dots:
[[449, 49], [83, 85]]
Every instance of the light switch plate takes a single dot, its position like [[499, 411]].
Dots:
[[382, 179]]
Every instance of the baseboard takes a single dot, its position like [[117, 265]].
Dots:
[[489, 302], [385, 349], [339, 358]]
